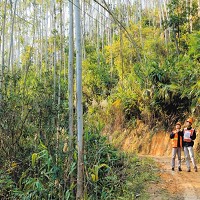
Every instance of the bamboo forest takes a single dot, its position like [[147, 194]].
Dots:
[[90, 91]]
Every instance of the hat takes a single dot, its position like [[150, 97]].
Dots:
[[178, 123], [189, 120]]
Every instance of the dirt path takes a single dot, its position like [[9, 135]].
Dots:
[[175, 185]]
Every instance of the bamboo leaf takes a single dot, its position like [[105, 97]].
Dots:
[[34, 158]]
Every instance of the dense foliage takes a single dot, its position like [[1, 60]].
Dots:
[[155, 79]]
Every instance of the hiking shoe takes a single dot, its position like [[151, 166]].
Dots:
[[188, 170], [179, 169], [195, 168], [172, 168]]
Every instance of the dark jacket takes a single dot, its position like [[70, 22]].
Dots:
[[180, 135], [193, 137]]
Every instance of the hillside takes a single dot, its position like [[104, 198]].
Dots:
[[72, 72], [156, 145], [145, 141]]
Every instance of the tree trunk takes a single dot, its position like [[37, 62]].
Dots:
[[190, 16], [46, 39], [3, 50], [187, 12], [83, 30], [71, 85], [198, 8], [166, 11], [97, 35], [54, 49], [160, 14], [61, 35], [80, 175], [10, 57], [41, 40], [176, 41]]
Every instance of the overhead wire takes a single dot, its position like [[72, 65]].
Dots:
[[99, 11], [88, 14], [118, 22], [106, 7]]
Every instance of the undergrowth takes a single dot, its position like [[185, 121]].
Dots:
[[140, 172]]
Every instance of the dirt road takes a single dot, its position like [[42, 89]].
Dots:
[[175, 185]]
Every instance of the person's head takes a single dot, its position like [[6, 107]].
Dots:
[[178, 125], [189, 122]]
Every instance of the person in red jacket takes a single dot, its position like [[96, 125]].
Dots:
[[189, 134], [177, 143]]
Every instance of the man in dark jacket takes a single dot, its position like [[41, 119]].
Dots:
[[177, 140], [189, 134]]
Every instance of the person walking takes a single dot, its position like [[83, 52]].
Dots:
[[189, 135], [177, 143]]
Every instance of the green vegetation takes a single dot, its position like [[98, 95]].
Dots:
[[141, 172], [150, 71]]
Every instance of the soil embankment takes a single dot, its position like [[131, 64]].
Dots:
[[144, 141]]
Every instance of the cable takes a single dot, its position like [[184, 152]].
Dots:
[[99, 11], [121, 25], [88, 14], [117, 21]]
